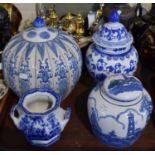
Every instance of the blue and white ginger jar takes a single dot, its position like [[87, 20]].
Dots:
[[39, 116], [112, 51], [42, 57], [119, 110]]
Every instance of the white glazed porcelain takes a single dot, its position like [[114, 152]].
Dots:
[[42, 57], [39, 116], [112, 51], [119, 110]]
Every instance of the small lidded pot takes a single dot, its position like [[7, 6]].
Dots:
[[112, 51], [39, 116], [119, 110]]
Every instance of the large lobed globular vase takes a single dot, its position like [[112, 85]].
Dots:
[[42, 57]]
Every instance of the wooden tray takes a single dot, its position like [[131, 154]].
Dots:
[[77, 134]]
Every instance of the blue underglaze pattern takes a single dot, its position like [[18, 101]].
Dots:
[[73, 66], [116, 51], [40, 128], [112, 139], [44, 74], [128, 84], [112, 51], [41, 50], [101, 64], [60, 73], [146, 106], [12, 73], [24, 83], [34, 127], [112, 38], [44, 35], [111, 34], [31, 34]]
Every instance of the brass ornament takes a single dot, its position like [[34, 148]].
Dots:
[[79, 25], [69, 23]]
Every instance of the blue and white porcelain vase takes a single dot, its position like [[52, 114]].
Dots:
[[39, 116], [42, 57], [112, 51], [119, 110]]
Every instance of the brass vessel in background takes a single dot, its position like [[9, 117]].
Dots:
[[79, 25], [99, 13], [69, 24], [52, 19]]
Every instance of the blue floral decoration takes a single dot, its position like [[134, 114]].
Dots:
[[44, 35], [31, 34]]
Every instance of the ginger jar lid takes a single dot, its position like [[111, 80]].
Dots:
[[122, 88], [39, 32], [42, 39], [113, 34]]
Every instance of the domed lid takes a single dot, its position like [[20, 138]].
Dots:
[[39, 32], [113, 34], [122, 88], [41, 38]]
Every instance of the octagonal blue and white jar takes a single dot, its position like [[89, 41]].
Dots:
[[119, 110], [39, 116], [42, 57], [112, 51]]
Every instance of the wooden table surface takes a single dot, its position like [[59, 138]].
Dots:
[[77, 135]]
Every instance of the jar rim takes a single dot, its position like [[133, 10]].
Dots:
[[50, 92]]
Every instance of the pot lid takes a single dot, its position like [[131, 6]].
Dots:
[[113, 34], [39, 32], [122, 88], [41, 38]]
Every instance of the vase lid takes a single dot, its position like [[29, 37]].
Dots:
[[122, 88], [113, 34], [41, 38], [39, 32]]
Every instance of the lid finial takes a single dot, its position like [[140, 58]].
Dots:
[[39, 22], [114, 16]]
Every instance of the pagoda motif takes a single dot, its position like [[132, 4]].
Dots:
[[131, 125], [112, 138]]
